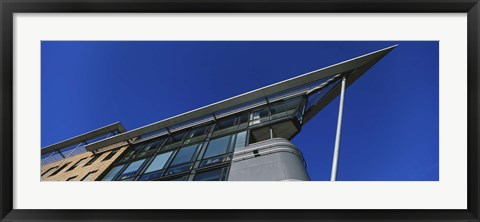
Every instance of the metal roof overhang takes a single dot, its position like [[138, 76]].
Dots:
[[333, 93], [86, 136], [361, 63]]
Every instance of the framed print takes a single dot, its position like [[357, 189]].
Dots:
[[215, 110]]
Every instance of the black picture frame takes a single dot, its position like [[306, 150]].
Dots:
[[9, 7]]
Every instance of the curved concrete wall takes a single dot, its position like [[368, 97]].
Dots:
[[270, 160]]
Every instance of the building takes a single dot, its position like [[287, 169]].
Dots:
[[243, 138], [69, 161]]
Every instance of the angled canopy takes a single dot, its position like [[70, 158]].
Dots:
[[354, 68]]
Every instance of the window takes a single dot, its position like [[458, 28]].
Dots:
[[292, 103], [153, 145], [150, 147], [179, 169], [242, 118], [225, 123], [155, 169], [89, 176], [136, 148], [177, 136], [48, 171], [185, 155], [175, 140], [182, 178], [299, 116], [159, 162], [277, 110], [231, 121], [212, 175], [71, 178], [60, 169], [197, 134], [215, 160], [257, 116], [92, 160], [198, 131], [76, 164], [217, 146], [240, 140], [132, 169], [230, 124], [110, 155], [113, 172], [183, 160]]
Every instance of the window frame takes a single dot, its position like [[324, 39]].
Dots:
[[126, 165], [225, 171], [228, 150]]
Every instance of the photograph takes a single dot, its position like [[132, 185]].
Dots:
[[239, 111], [316, 110]]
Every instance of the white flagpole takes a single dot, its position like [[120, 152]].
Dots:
[[333, 176]]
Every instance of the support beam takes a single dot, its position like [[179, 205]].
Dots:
[[61, 154], [333, 176]]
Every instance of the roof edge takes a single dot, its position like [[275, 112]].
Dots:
[[272, 89], [85, 136]]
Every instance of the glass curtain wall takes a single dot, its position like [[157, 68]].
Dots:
[[201, 152]]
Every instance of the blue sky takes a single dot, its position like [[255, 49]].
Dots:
[[390, 119]]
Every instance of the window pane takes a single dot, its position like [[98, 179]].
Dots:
[[152, 176], [175, 140], [198, 131], [242, 118], [197, 134], [113, 172], [278, 108], [215, 160], [217, 146], [256, 117], [134, 166], [182, 178], [224, 123], [135, 149], [292, 103], [212, 175], [152, 145], [159, 162], [132, 169], [185, 155], [240, 141], [179, 169], [176, 137], [259, 114]]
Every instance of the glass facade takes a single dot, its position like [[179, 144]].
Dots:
[[200, 152]]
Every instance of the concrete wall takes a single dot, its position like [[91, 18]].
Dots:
[[271, 160]]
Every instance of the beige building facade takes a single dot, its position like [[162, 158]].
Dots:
[[66, 162], [83, 167]]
